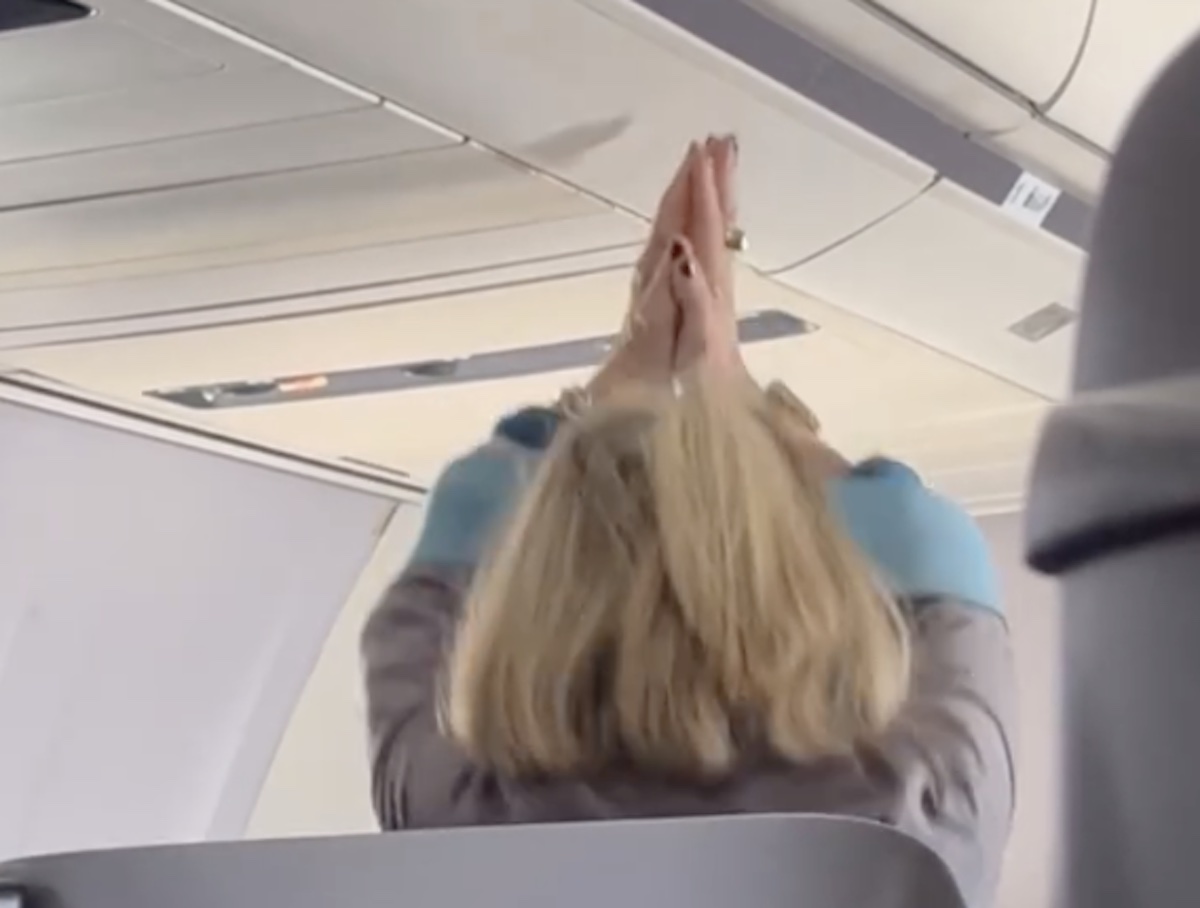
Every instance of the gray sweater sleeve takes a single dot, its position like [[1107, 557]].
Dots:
[[405, 641], [952, 750], [403, 647]]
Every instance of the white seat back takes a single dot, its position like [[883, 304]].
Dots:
[[748, 862]]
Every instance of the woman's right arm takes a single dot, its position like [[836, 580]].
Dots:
[[415, 769], [952, 749]]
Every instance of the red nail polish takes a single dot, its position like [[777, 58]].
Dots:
[[676, 249], [685, 268]]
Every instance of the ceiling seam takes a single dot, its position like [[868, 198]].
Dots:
[[855, 234], [213, 181], [920, 36], [1045, 107], [161, 140]]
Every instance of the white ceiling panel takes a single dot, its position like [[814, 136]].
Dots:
[[873, 389], [163, 110], [953, 271], [137, 71], [318, 209], [174, 25], [1129, 43], [368, 132], [1028, 45], [857, 33], [603, 95], [365, 277], [84, 58]]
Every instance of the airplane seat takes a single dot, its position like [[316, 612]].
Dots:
[[1114, 513], [769, 861]]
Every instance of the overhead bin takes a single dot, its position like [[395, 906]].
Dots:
[[1028, 46], [960, 274], [310, 239], [92, 303], [1130, 41], [871, 42], [307, 211], [990, 104], [604, 95], [986, 234], [288, 145]]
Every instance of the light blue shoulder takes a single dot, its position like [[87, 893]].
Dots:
[[923, 544], [470, 501]]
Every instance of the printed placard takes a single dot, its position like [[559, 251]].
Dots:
[[1030, 199]]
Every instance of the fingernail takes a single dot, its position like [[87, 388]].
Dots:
[[685, 268], [733, 142], [676, 249]]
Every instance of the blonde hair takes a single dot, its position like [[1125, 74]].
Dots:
[[673, 592]]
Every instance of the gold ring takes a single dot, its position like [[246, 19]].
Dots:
[[735, 240]]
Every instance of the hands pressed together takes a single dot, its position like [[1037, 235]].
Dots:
[[681, 313]]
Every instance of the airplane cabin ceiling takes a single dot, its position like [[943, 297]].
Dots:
[[211, 182]]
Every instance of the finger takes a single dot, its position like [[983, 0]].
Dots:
[[671, 215], [708, 226], [725, 162], [657, 282], [660, 277], [694, 304], [689, 286], [672, 207]]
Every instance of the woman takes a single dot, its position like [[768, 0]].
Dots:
[[666, 597]]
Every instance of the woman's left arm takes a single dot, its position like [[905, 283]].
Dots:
[[953, 745]]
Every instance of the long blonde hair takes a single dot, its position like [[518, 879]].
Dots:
[[673, 591]]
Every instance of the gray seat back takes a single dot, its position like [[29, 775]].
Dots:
[[748, 862]]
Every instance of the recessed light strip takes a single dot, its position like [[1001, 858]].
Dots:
[[766, 325]]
